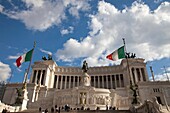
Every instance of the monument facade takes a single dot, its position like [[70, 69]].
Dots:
[[89, 87]]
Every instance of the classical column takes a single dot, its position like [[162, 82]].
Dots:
[[57, 81], [73, 81], [120, 81], [36, 76], [65, 82], [102, 81], [111, 82], [141, 78], [94, 81], [133, 77], [98, 82], [78, 80], [69, 81], [44, 74], [115, 81], [143, 74], [61, 83], [40, 77], [136, 76], [107, 82]]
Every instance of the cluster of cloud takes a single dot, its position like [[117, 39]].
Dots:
[[146, 33], [161, 77], [1, 8], [5, 72], [45, 51], [67, 31], [43, 14]]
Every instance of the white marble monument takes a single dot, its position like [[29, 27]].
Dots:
[[90, 87]]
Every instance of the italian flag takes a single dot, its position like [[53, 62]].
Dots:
[[24, 58], [116, 55]]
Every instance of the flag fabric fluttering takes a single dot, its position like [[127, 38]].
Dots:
[[117, 54], [24, 58]]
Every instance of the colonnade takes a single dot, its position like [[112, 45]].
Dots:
[[100, 81], [64, 82], [39, 77], [138, 74], [108, 81]]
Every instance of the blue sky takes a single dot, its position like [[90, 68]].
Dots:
[[77, 30]]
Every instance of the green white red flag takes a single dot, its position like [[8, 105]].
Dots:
[[117, 54], [24, 58]]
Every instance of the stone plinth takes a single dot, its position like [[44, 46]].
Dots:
[[85, 79]]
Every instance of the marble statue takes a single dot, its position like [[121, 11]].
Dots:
[[85, 66], [83, 98], [156, 105]]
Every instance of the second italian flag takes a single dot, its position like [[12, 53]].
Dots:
[[117, 54]]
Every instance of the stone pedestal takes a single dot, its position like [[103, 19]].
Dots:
[[85, 79]]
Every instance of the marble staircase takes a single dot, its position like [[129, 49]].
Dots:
[[79, 111]]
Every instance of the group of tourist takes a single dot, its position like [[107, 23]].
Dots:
[[5, 110], [55, 109], [67, 108]]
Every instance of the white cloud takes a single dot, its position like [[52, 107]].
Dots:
[[1, 8], [19, 69], [164, 75], [161, 77], [13, 57], [168, 69], [43, 14], [162, 13], [146, 33], [74, 6], [67, 31], [40, 18], [46, 52], [75, 49], [5, 71]]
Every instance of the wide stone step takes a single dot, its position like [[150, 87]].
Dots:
[[80, 111]]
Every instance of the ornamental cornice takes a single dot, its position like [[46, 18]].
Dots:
[[155, 83], [91, 71], [40, 66], [138, 64]]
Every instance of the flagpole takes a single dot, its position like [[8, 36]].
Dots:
[[134, 87], [26, 73], [127, 61]]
